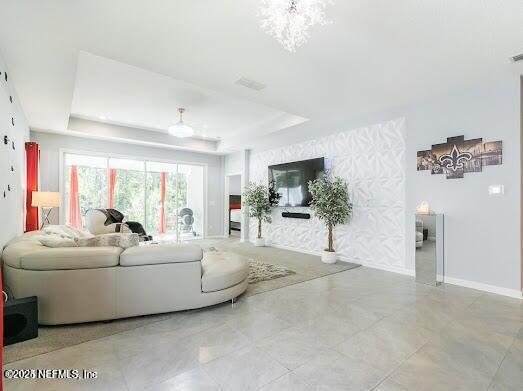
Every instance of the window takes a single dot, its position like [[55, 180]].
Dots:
[[129, 188], [91, 176], [167, 198]]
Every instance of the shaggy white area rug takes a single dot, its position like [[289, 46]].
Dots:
[[261, 271]]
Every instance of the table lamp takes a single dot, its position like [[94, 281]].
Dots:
[[46, 200]]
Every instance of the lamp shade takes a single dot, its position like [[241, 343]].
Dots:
[[46, 199]]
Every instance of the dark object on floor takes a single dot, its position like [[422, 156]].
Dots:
[[20, 320], [425, 233]]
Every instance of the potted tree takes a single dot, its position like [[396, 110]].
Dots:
[[331, 204], [256, 197]]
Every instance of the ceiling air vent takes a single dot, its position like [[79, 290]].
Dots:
[[517, 57], [253, 85]]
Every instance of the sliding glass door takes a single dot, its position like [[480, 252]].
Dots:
[[86, 180], [166, 198], [126, 188], [190, 200], [162, 190]]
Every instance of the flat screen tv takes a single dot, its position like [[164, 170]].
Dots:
[[291, 180]]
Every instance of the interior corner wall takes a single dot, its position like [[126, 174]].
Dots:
[[14, 126], [372, 160], [233, 163], [51, 144]]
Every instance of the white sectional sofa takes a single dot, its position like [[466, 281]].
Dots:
[[84, 284]]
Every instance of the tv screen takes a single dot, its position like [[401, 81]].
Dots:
[[291, 180]]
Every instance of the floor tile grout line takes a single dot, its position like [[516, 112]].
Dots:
[[452, 321], [400, 364], [501, 361]]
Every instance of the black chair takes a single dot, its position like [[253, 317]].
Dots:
[[114, 217]]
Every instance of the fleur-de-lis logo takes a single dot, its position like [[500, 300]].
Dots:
[[455, 159]]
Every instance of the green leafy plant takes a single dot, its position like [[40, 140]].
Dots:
[[256, 197], [330, 202]]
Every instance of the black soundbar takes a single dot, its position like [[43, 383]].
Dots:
[[291, 215]]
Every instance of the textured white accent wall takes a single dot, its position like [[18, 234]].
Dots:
[[372, 160]]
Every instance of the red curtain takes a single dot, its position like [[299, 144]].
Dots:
[[32, 160], [163, 220], [112, 183], [75, 215], [1, 333]]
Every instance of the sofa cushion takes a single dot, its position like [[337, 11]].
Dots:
[[152, 254], [221, 270], [32, 255]]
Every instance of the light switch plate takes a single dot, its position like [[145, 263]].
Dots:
[[496, 190]]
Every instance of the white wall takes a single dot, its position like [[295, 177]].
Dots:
[[482, 236], [372, 160], [235, 184], [233, 163], [482, 232], [12, 206], [50, 145]]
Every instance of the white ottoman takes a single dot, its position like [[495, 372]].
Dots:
[[222, 270]]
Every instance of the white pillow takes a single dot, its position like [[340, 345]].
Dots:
[[54, 241], [64, 231]]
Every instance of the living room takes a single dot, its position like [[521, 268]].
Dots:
[[263, 194]]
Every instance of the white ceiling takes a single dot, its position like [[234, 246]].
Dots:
[[377, 54], [122, 94]]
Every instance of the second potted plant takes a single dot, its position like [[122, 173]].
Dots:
[[256, 198], [331, 204]]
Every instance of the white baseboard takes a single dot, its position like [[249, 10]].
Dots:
[[484, 287], [298, 250], [394, 269]]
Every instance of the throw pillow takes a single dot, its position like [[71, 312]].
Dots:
[[54, 241]]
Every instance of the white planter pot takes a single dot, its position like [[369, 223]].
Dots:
[[328, 257], [259, 242]]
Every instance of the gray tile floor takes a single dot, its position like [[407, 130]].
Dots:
[[361, 329]]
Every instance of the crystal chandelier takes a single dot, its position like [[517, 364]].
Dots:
[[289, 20], [181, 129]]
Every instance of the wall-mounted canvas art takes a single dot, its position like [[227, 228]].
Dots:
[[459, 156]]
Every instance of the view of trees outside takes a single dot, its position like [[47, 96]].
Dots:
[[129, 194], [154, 202], [92, 187], [131, 189]]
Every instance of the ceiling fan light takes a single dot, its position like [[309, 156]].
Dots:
[[181, 130]]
